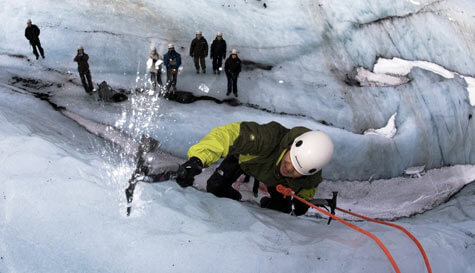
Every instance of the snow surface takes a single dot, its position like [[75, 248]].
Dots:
[[62, 207]]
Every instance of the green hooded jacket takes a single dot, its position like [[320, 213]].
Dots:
[[260, 148]]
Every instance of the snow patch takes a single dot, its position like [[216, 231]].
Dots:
[[388, 131], [392, 72], [415, 2], [471, 89], [368, 78]]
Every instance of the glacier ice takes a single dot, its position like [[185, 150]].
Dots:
[[57, 221]]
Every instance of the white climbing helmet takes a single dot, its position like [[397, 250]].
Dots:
[[234, 52], [310, 152], [198, 32]]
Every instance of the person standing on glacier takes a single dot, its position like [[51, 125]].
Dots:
[[199, 51], [32, 34], [232, 68], [270, 153], [218, 52], [83, 69], [172, 60], [154, 67]]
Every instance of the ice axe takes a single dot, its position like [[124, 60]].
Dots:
[[324, 203]]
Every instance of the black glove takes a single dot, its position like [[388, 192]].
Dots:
[[188, 170]]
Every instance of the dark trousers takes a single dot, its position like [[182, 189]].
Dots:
[[278, 202], [171, 79], [87, 85], [156, 78], [223, 177], [232, 84], [198, 61], [37, 44], [217, 63]]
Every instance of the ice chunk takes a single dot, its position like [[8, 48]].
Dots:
[[203, 88], [415, 171], [388, 131]]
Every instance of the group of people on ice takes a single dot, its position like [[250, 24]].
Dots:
[[270, 153], [171, 60], [198, 51]]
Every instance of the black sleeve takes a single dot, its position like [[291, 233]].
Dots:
[[205, 49], [213, 46], [226, 66], [224, 52], [192, 47]]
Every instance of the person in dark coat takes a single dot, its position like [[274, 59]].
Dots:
[[32, 33], [232, 68], [218, 52], [172, 61], [83, 68], [199, 51]]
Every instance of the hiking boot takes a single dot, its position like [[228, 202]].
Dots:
[[204, 72], [37, 57], [197, 72], [235, 94], [227, 93], [214, 72]]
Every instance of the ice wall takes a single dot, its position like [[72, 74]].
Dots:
[[314, 48]]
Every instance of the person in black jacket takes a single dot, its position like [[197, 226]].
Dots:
[[32, 33], [83, 68], [232, 67], [199, 51], [218, 52]]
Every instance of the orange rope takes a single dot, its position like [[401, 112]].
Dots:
[[413, 238], [288, 192]]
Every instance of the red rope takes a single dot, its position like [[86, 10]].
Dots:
[[288, 192], [413, 238]]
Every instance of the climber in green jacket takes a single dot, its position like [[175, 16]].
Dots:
[[270, 153]]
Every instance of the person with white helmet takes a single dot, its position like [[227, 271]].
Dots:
[[232, 68], [32, 34], [218, 52], [199, 51], [154, 67], [83, 69], [172, 61], [270, 153]]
